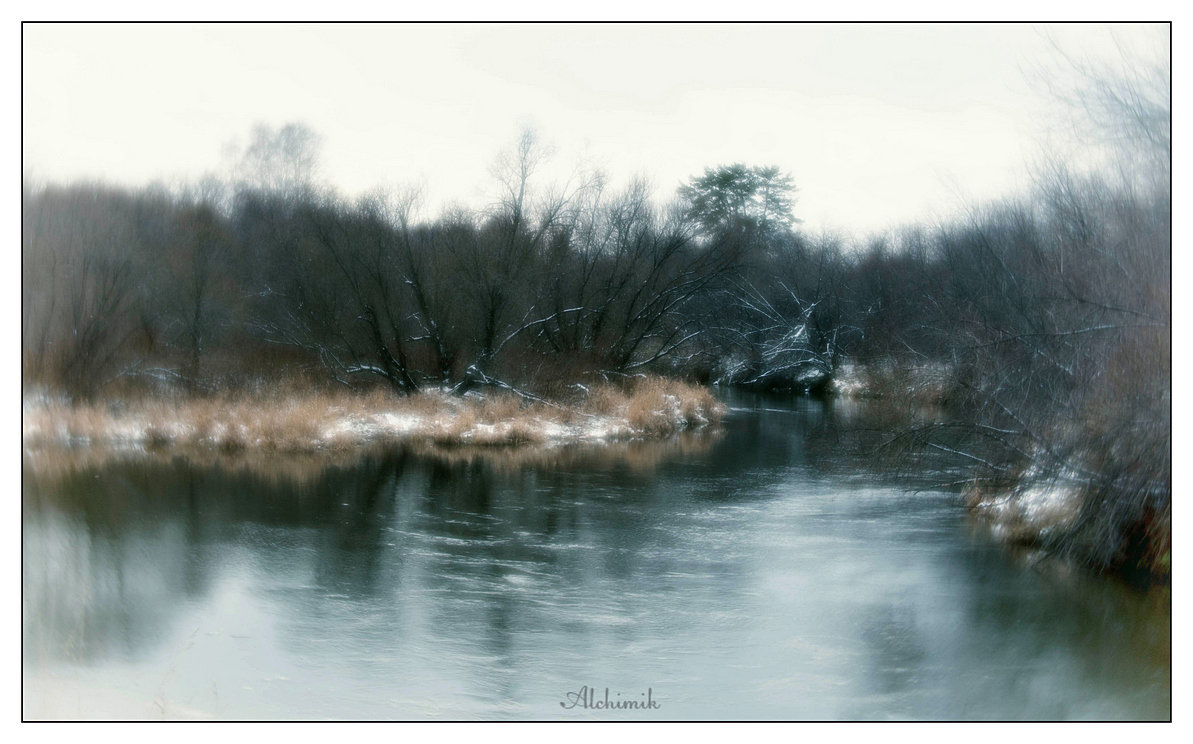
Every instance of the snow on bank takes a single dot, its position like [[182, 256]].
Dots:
[[312, 423], [884, 379], [456, 428], [1034, 510]]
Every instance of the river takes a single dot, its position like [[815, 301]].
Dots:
[[758, 572]]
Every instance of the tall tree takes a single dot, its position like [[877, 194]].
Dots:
[[737, 198]]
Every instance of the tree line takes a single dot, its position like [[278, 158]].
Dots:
[[271, 275], [256, 279]]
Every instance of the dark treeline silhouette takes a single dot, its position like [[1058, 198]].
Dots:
[[274, 277], [1044, 322]]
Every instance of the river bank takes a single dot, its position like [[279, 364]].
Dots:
[[1093, 487], [306, 422]]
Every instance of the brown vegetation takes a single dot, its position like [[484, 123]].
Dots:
[[289, 422]]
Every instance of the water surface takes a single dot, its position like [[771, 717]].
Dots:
[[754, 574]]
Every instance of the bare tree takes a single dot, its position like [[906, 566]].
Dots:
[[282, 160]]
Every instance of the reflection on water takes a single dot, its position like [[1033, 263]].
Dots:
[[751, 574]]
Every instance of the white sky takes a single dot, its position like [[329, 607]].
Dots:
[[878, 124]]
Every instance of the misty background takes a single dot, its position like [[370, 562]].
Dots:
[[879, 124]]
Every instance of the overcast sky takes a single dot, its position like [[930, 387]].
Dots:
[[879, 125]]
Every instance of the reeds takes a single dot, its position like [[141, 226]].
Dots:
[[298, 422]]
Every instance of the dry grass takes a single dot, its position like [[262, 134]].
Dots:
[[290, 422], [655, 405], [305, 468]]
